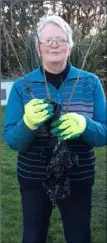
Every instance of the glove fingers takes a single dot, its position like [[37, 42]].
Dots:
[[70, 115], [65, 117], [55, 123], [36, 101], [41, 114], [46, 112], [67, 131], [48, 116], [62, 126], [41, 107], [57, 132], [50, 110], [40, 119], [72, 128], [38, 108]]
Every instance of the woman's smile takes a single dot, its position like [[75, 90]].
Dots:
[[56, 53]]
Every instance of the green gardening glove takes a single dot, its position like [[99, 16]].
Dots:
[[37, 111], [69, 125]]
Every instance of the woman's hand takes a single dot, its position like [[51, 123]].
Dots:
[[69, 125], [37, 111]]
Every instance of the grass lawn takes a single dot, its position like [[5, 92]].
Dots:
[[11, 208]]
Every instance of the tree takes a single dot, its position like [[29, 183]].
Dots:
[[19, 21]]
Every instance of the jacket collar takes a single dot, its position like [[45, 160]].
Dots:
[[37, 76]]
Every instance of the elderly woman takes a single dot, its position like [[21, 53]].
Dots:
[[29, 128]]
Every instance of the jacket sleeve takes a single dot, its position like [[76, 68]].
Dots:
[[96, 132], [16, 134]]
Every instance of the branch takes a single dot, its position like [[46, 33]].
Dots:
[[84, 62], [41, 58]]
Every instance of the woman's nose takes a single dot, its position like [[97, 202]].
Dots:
[[54, 44]]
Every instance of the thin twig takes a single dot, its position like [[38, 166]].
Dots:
[[26, 82], [83, 64], [41, 59], [10, 40]]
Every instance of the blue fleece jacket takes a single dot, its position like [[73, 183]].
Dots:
[[35, 147], [89, 90]]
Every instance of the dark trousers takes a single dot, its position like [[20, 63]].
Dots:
[[75, 212]]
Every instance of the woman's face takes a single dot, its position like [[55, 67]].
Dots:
[[56, 52]]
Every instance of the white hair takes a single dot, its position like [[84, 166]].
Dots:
[[57, 20]]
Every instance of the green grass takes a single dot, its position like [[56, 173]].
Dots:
[[11, 207]]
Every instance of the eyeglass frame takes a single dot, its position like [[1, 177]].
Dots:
[[46, 41]]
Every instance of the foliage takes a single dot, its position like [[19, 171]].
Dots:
[[19, 21], [96, 60]]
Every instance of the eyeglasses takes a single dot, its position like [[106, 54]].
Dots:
[[59, 42]]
